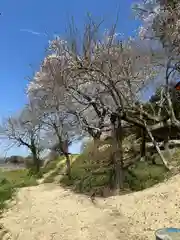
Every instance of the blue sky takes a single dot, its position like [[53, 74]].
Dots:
[[23, 43]]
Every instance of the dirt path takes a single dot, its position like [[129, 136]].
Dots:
[[48, 212]]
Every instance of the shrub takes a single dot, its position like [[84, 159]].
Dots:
[[6, 192]]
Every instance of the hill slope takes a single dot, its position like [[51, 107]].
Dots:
[[50, 212]]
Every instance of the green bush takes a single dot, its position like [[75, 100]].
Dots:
[[6, 192], [144, 175]]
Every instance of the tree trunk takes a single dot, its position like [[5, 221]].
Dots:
[[166, 148], [143, 139], [63, 146], [166, 143], [68, 165], [96, 140], [36, 161], [153, 160], [64, 149], [118, 155], [143, 145]]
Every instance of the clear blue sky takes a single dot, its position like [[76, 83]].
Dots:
[[22, 44]]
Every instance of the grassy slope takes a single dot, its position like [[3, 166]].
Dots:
[[90, 176], [10, 181], [54, 168], [52, 165], [90, 173]]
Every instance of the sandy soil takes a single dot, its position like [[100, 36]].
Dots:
[[48, 212]]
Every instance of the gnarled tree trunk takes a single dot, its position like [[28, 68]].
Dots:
[[143, 145], [36, 159], [117, 153], [63, 146], [96, 141], [68, 164]]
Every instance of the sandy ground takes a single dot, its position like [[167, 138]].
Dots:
[[49, 212]]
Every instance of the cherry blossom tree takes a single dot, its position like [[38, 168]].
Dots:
[[101, 83], [160, 20]]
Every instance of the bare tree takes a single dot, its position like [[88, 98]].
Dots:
[[61, 129], [25, 130], [60, 126]]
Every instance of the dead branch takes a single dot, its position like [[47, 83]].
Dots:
[[150, 145], [157, 147]]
